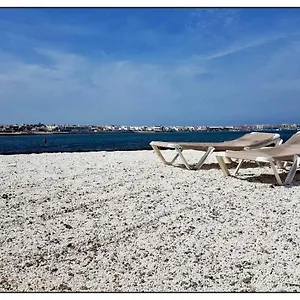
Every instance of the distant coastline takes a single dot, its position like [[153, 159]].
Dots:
[[68, 132], [127, 131], [43, 129]]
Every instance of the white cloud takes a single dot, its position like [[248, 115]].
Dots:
[[77, 88]]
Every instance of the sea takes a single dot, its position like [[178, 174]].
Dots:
[[26, 144]]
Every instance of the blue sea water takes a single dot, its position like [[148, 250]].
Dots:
[[17, 144]]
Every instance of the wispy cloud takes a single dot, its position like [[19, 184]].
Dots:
[[75, 88], [237, 48], [100, 91]]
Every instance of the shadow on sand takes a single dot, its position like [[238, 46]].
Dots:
[[270, 179], [262, 178], [215, 166]]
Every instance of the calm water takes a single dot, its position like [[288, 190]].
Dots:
[[109, 141]]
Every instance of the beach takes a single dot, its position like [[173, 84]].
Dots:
[[124, 222]]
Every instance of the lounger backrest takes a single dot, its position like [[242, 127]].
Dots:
[[256, 138], [294, 139]]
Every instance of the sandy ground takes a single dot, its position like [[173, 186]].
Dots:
[[122, 221]]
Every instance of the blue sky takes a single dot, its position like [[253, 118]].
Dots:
[[150, 66]]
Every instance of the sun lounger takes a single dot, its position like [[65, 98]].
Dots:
[[276, 156], [251, 140]]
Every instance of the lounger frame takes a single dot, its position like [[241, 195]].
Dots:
[[178, 149], [275, 165]]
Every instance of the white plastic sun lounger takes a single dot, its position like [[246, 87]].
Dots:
[[277, 157], [251, 140]]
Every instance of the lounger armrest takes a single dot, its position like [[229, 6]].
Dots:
[[277, 143], [175, 146], [254, 147], [264, 159], [258, 159]]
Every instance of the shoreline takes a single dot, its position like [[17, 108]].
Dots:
[[77, 151]]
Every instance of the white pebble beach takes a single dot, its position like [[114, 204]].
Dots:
[[124, 222]]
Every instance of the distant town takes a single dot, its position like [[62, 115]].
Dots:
[[41, 128]]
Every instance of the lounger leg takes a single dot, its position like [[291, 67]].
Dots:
[[293, 170], [179, 152], [209, 151], [276, 173], [173, 160], [222, 165], [238, 167], [159, 154]]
